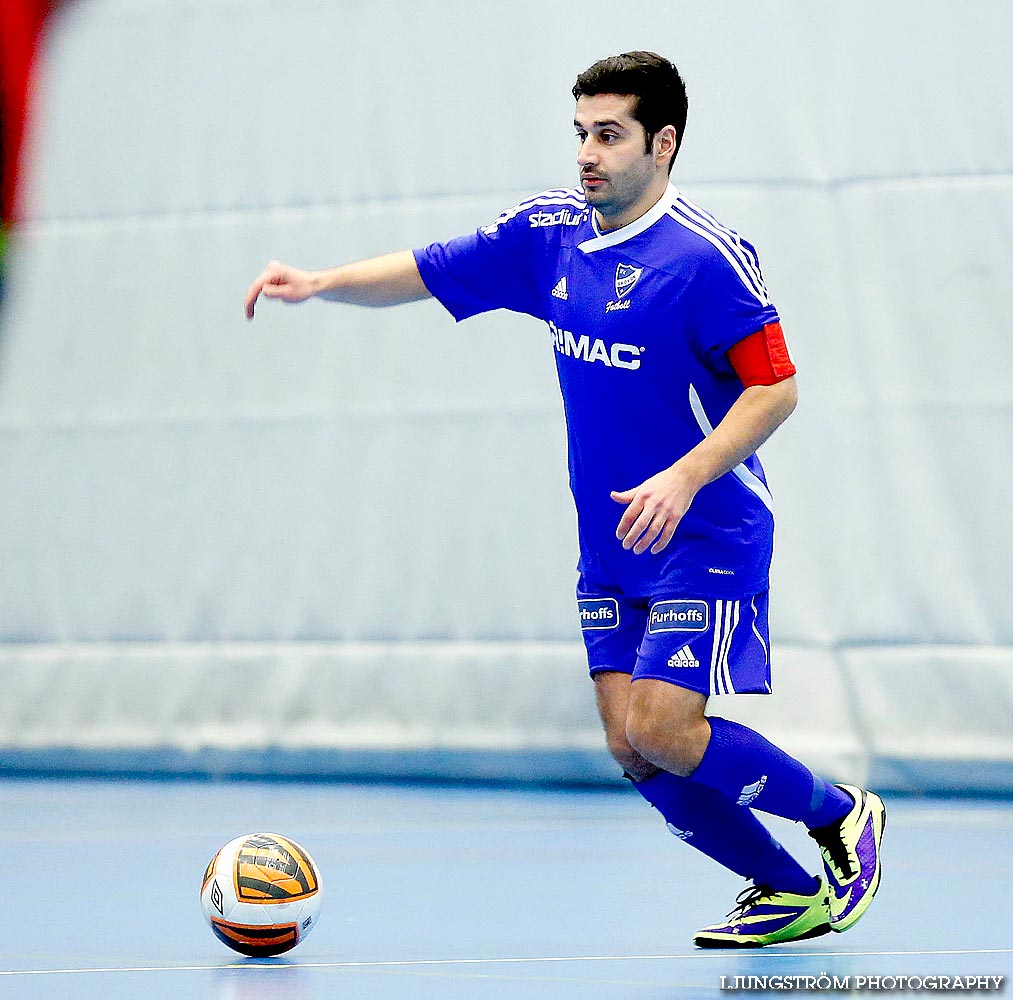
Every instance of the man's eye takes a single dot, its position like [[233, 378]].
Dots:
[[580, 135], [609, 137]]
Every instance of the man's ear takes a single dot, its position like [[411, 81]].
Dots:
[[665, 140]]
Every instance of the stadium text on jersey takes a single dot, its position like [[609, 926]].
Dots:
[[564, 217]]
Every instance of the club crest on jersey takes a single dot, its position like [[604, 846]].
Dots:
[[626, 277]]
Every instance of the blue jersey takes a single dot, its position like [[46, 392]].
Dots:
[[641, 319]]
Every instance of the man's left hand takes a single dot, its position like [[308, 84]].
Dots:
[[654, 510]]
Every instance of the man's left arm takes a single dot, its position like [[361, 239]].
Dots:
[[655, 507]]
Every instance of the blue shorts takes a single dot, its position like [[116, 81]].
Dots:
[[705, 644]]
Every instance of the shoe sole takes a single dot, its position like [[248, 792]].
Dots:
[[702, 942], [840, 926]]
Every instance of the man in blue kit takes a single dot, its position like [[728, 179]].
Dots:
[[673, 371]]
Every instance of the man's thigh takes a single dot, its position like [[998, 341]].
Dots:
[[617, 695], [612, 692]]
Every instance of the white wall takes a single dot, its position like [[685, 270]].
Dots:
[[181, 486]]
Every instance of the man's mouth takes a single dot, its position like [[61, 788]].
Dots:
[[592, 180]]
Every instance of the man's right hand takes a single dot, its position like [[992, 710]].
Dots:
[[388, 280], [279, 281]]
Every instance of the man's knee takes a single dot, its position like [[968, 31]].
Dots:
[[666, 746], [627, 758], [666, 727]]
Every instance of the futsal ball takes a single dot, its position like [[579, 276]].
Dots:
[[261, 894]]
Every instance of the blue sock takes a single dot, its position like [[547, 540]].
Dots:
[[751, 771], [707, 820]]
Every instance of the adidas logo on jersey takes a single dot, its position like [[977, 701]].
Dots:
[[684, 658], [560, 290]]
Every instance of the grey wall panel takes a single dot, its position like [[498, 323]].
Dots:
[[898, 89], [291, 531], [929, 269], [185, 106]]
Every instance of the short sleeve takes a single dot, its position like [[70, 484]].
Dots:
[[728, 301], [496, 267]]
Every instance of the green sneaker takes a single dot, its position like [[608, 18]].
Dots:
[[850, 849], [764, 916]]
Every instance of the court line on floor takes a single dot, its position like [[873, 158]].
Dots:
[[422, 962]]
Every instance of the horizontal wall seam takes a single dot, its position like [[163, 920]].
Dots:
[[405, 207]]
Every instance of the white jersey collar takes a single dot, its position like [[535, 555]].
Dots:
[[601, 241]]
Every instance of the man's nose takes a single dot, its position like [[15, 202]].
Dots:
[[586, 153]]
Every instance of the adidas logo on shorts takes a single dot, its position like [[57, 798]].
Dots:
[[684, 658]]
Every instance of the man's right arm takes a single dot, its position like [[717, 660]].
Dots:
[[380, 281]]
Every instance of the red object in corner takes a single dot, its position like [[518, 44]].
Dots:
[[20, 32]]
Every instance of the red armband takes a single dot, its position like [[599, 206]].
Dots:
[[762, 358]]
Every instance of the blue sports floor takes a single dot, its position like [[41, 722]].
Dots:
[[456, 893]]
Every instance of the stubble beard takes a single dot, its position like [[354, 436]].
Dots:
[[611, 201]]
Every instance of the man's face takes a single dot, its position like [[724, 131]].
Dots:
[[615, 170]]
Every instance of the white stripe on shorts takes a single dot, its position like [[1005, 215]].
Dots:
[[733, 624], [726, 619], [756, 632]]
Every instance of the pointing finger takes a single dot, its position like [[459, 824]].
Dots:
[[251, 297]]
